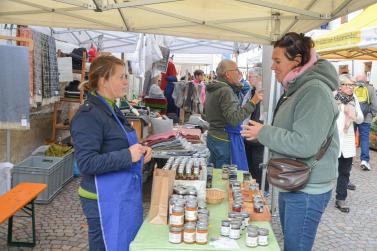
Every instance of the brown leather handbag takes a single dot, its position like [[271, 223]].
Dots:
[[290, 174]]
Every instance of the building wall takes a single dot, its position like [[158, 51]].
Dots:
[[23, 143]]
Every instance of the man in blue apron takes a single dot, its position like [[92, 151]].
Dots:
[[225, 115]]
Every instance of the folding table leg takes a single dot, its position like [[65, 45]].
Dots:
[[31, 212]]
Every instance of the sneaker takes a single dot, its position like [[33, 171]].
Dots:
[[365, 165], [351, 186]]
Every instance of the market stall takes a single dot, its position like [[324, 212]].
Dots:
[[156, 237]]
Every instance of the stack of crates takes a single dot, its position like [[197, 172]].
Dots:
[[53, 171]]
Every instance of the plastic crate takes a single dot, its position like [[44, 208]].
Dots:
[[41, 169], [66, 173]]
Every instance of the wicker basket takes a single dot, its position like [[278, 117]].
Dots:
[[215, 195]]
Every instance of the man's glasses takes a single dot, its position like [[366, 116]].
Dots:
[[349, 85]]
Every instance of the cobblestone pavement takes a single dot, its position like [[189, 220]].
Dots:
[[61, 225]]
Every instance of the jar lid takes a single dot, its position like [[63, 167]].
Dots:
[[262, 231], [225, 223], [202, 204], [176, 229], [202, 225], [177, 209], [191, 203], [190, 225], [245, 214], [234, 225], [252, 233], [191, 192], [203, 211], [252, 228], [232, 214]]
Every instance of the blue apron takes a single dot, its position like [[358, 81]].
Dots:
[[237, 147], [120, 199]]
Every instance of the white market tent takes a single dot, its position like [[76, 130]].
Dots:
[[118, 41], [251, 21]]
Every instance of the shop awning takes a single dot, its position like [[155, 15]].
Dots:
[[356, 39], [252, 21]]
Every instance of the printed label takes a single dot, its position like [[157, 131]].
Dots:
[[251, 241], [176, 220], [175, 238], [189, 237], [201, 237], [225, 231], [191, 215], [234, 234], [262, 240]]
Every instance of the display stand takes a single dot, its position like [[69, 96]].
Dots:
[[58, 105]]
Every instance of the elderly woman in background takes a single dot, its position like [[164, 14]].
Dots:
[[349, 112], [305, 118]]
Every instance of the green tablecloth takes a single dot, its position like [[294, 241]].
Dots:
[[155, 237]]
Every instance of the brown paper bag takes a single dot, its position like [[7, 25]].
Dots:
[[162, 188]]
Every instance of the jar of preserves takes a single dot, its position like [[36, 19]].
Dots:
[[175, 235], [262, 236], [191, 211], [189, 233], [252, 238], [176, 218], [202, 233], [235, 231], [225, 228]]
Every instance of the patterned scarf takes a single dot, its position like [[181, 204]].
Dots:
[[349, 109], [344, 98]]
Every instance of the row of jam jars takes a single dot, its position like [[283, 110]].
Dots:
[[256, 236]]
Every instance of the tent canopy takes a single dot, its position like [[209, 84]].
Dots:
[[118, 41], [353, 40], [252, 21]]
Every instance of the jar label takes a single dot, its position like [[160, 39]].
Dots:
[[234, 233], [175, 237], [263, 240], [251, 241], [176, 220], [202, 237], [225, 231], [191, 215], [188, 237]]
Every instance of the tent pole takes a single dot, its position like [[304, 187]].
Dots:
[[8, 146]]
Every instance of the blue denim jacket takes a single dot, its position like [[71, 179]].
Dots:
[[100, 145]]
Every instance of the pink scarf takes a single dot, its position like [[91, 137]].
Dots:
[[293, 74]]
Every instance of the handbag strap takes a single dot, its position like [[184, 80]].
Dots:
[[325, 145]]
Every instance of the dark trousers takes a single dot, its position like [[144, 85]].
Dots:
[[91, 212], [344, 170], [254, 154]]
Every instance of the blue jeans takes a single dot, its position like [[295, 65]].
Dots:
[[300, 214], [219, 151], [364, 130], [90, 208]]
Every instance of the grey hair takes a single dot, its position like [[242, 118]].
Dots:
[[222, 67], [256, 71], [343, 78]]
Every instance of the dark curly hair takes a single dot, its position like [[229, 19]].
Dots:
[[296, 45]]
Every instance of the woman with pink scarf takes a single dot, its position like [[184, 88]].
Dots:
[[304, 119]]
